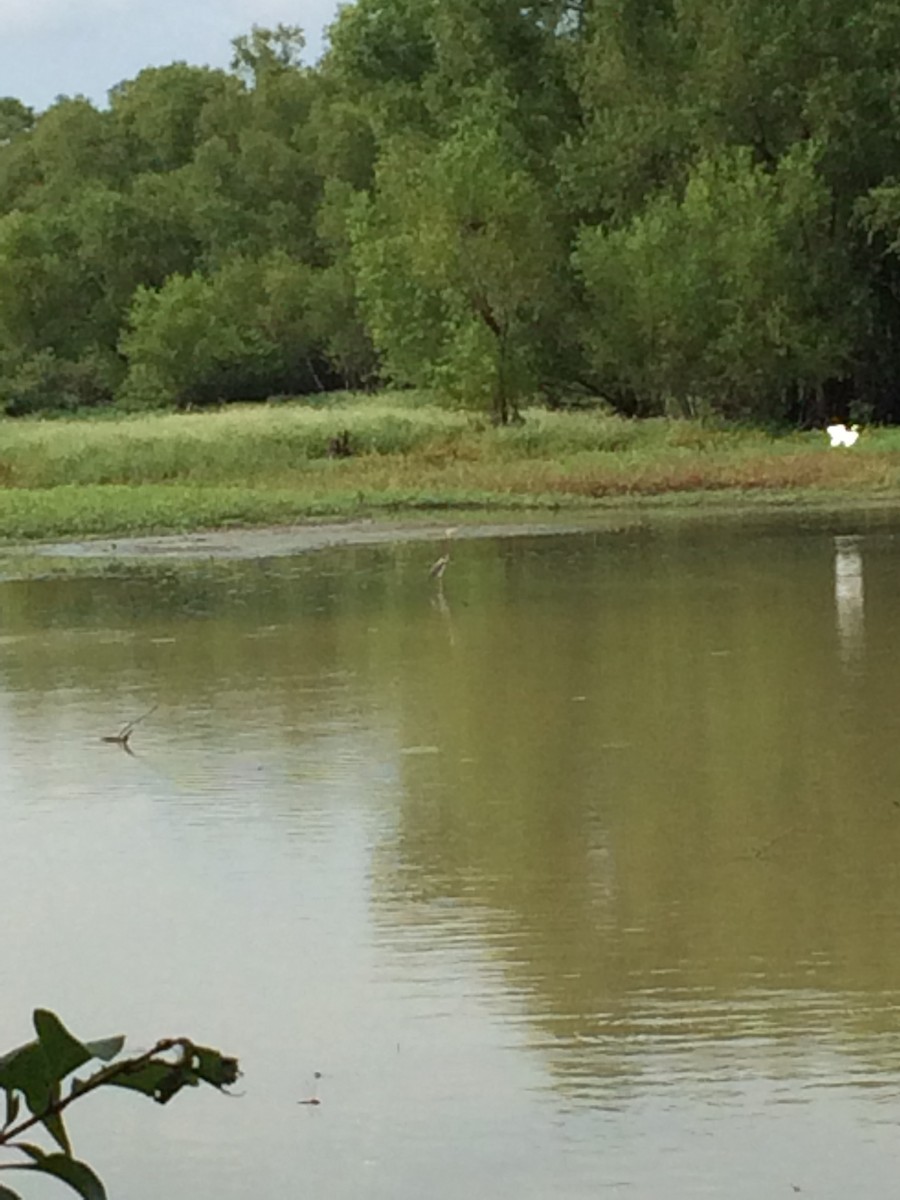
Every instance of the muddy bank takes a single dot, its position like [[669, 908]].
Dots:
[[277, 542]]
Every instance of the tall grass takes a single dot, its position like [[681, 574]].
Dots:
[[245, 444], [271, 463], [237, 445]]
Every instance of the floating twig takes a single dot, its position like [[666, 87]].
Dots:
[[760, 853], [121, 738]]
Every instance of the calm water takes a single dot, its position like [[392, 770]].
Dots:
[[580, 876]]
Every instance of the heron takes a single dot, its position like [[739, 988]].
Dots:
[[437, 569]]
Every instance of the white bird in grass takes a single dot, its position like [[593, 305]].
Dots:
[[842, 436]]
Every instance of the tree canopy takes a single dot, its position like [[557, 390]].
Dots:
[[687, 206]]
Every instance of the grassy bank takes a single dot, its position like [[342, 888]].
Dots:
[[271, 464]]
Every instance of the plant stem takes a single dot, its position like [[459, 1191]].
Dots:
[[103, 1076]]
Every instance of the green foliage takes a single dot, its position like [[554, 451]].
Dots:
[[238, 445], [455, 263], [39, 1084], [685, 206], [68, 273], [879, 214], [160, 113], [269, 464], [697, 304], [45, 383], [266, 52], [383, 42], [244, 333], [15, 118], [75, 144]]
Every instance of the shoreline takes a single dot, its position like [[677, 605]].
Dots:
[[77, 485], [278, 540]]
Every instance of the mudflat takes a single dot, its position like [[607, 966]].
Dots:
[[280, 541]]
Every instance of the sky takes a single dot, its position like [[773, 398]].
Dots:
[[83, 47]]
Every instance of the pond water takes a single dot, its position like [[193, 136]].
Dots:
[[575, 874]]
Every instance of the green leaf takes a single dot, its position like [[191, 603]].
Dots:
[[12, 1108], [77, 1175], [65, 1053], [57, 1130], [8, 1057], [8, 1194], [213, 1067], [34, 1152], [106, 1048], [178, 1078], [26, 1070], [159, 1080]]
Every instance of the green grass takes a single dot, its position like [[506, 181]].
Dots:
[[241, 445], [269, 464]]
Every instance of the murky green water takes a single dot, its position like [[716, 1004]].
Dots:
[[580, 876]]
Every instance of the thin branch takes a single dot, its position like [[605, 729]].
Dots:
[[121, 738], [103, 1076]]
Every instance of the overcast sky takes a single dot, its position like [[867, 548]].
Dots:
[[84, 47]]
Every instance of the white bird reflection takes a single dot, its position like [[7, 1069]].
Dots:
[[849, 596]]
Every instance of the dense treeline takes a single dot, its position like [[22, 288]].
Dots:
[[685, 206]]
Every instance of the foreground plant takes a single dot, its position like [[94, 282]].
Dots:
[[35, 1079]]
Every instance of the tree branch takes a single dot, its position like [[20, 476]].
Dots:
[[103, 1076]]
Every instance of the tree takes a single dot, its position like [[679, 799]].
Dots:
[[39, 1084], [15, 118], [417, 63], [265, 52], [456, 257], [335, 319], [731, 299], [663, 86], [42, 298], [67, 277], [159, 114], [243, 333], [75, 144], [460, 252]]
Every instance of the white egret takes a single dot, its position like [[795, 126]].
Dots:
[[842, 436]]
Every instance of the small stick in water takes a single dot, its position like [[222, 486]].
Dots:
[[121, 738]]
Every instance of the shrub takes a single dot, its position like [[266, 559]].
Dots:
[[45, 383]]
